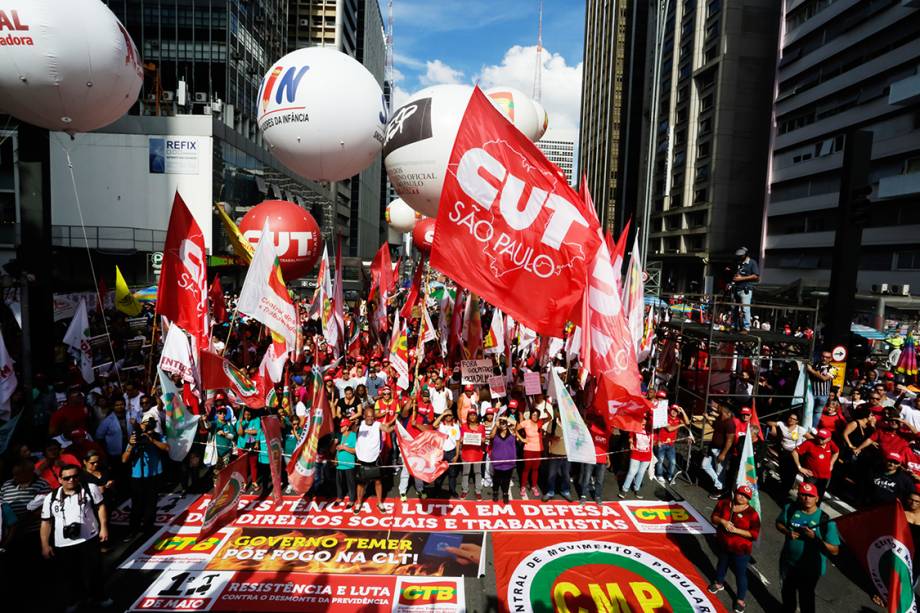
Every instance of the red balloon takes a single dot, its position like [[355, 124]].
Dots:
[[294, 231], [423, 234]]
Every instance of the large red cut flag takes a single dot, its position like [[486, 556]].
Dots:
[[381, 271], [218, 306], [302, 466], [412, 298], [509, 227], [225, 498], [219, 373], [422, 454], [272, 429], [182, 293], [881, 540]]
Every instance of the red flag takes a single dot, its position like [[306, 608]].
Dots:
[[182, 293], [454, 337], [381, 271], [619, 254], [412, 298], [301, 467], [225, 499], [508, 227], [218, 306], [103, 291], [422, 454], [272, 429], [219, 373], [880, 538]]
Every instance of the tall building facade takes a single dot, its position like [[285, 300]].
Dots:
[[710, 142], [559, 148], [354, 27], [845, 65], [610, 136]]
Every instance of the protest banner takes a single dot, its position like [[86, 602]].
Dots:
[[532, 385], [475, 372], [257, 548], [435, 515], [176, 547], [569, 571], [168, 506], [421, 595], [497, 387]]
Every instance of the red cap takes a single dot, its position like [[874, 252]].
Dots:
[[824, 433], [468, 388], [877, 409], [746, 411], [675, 407], [661, 394], [78, 433], [745, 490], [894, 456], [327, 378], [889, 375], [512, 404], [345, 423], [385, 388], [490, 411], [808, 489]]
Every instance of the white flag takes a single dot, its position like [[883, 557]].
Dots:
[[77, 338], [579, 446], [264, 296], [634, 295], [496, 337], [428, 333], [273, 361], [8, 381], [181, 424], [176, 358]]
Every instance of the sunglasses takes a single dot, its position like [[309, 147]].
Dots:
[[69, 478]]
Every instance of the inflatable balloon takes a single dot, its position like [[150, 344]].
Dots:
[[322, 114], [67, 66], [423, 234], [401, 217], [419, 138], [519, 108], [295, 233], [542, 120]]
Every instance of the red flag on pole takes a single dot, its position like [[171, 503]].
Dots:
[[301, 467], [881, 540], [381, 271], [272, 429], [225, 498], [218, 306], [182, 292], [219, 373], [508, 227], [412, 298]]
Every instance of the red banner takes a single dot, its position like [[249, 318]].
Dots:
[[597, 572], [272, 429], [509, 227], [219, 373], [224, 501], [423, 454]]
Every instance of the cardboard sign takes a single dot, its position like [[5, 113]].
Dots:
[[476, 372], [532, 385], [472, 438], [497, 386]]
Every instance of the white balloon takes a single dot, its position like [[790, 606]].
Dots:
[[419, 139], [67, 66], [322, 113], [401, 217], [542, 120], [518, 108]]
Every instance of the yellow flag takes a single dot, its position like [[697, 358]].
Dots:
[[124, 299], [241, 246]]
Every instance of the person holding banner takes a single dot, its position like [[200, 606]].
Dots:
[[445, 425], [503, 455], [737, 527], [414, 423], [472, 437]]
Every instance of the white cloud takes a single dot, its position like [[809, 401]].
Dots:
[[561, 82], [438, 72], [399, 96], [407, 60]]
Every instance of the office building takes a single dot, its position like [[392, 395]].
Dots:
[[354, 27], [559, 148], [846, 65], [710, 132], [610, 138]]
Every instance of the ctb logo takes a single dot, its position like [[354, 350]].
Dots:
[[428, 593]]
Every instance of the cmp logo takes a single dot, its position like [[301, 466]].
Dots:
[[891, 570], [281, 85], [601, 576], [409, 124]]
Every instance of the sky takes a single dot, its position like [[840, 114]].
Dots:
[[491, 42]]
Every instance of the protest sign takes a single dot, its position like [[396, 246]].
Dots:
[[497, 386], [476, 372], [532, 385]]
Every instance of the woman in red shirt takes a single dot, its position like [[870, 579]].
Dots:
[[640, 456], [737, 527], [472, 450]]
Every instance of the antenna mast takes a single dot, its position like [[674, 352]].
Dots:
[[388, 68], [538, 67]]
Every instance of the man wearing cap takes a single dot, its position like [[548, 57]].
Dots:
[[374, 379], [821, 380], [815, 460], [810, 538], [746, 275], [466, 402], [891, 482], [737, 527]]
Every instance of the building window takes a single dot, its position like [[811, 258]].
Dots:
[[908, 260]]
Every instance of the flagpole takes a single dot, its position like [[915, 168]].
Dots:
[[419, 346], [229, 332], [153, 335]]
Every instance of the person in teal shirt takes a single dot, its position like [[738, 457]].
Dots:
[[224, 435], [249, 437], [345, 462], [810, 538]]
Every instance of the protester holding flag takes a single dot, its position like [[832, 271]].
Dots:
[[810, 538], [248, 437], [737, 527]]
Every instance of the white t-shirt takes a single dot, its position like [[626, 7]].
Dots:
[[453, 435], [791, 438], [440, 400], [367, 448], [76, 508], [300, 409], [910, 415]]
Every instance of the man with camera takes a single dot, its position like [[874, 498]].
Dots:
[[144, 457], [74, 523]]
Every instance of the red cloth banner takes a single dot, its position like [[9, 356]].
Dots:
[[182, 294], [272, 429], [218, 306], [224, 502], [219, 373], [509, 227], [596, 572], [423, 454]]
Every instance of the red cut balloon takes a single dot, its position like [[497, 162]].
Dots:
[[423, 234], [294, 231]]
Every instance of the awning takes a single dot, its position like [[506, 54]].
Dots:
[[866, 332]]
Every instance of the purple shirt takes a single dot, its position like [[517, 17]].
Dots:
[[504, 452]]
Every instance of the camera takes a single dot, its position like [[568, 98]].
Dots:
[[72, 530]]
